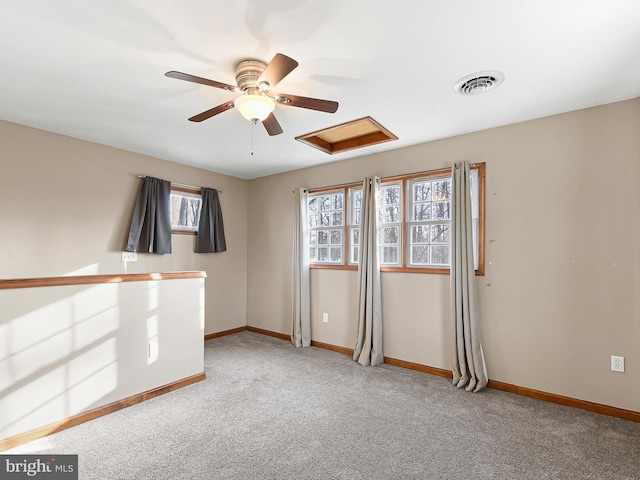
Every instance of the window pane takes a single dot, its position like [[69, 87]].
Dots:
[[312, 254], [354, 255], [391, 215], [441, 211], [420, 255], [440, 254], [357, 216], [440, 233], [326, 216], [391, 195], [422, 192], [389, 255], [441, 190], [355, 236], [422, 211], [185, 211], [357, 199], [337, 201], [420, 234], [389, 235]]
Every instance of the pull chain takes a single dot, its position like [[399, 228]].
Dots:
[[253, 127]]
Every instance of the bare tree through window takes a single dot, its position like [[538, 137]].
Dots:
[[185, 211]]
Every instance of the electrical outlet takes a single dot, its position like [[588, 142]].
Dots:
[[129, 257], [617, 364], [325, 318]]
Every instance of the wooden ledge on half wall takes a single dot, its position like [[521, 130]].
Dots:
[[12, 283]]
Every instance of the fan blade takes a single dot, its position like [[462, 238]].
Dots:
[[279, 67], [327, 106], [202, 81], [210, 113], [271, 125]]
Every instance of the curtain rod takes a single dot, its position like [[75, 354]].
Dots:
[[184, 185], [472, 165]]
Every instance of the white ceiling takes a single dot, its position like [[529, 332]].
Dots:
[[94, 69]]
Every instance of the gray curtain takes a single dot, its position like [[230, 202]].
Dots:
[[151, 223], [301, 328], [368, 349], [210, 237], [469, 369]]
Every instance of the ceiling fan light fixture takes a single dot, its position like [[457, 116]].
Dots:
[[254, 107]]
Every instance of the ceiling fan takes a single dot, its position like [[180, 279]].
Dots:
[[255, 80]]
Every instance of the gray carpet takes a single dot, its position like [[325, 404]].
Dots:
[[270, 411]]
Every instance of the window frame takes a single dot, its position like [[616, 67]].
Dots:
[[411, 222], [399, 224], [191, 192], [405, 235], [343, 227], [404, 242], [351, 223]]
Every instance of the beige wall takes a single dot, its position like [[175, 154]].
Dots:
[[563, 244], [69, 349], [561, 290], [66, 204]]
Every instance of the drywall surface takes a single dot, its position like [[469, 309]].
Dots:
[[66, 206], [68, 349], [561, 290]]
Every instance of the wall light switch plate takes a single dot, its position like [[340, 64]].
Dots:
[[325, 317], [129, 257]]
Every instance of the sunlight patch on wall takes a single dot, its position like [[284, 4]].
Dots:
[[97, 312], [92, 376], [154, 295], [152, 339], [87, 270], [59, 358], [25, 404], [38, 339], [201, 287]]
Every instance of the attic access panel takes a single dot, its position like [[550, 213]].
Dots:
[[348, 136]]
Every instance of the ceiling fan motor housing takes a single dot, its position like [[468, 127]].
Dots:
[[247, 74]]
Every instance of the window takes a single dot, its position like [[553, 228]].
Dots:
[[326, 227], [185, 210], [414, 223], [428, 221], [355, 216], [390, 224]]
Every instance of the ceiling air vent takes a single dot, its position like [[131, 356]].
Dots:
[[479, 82]]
